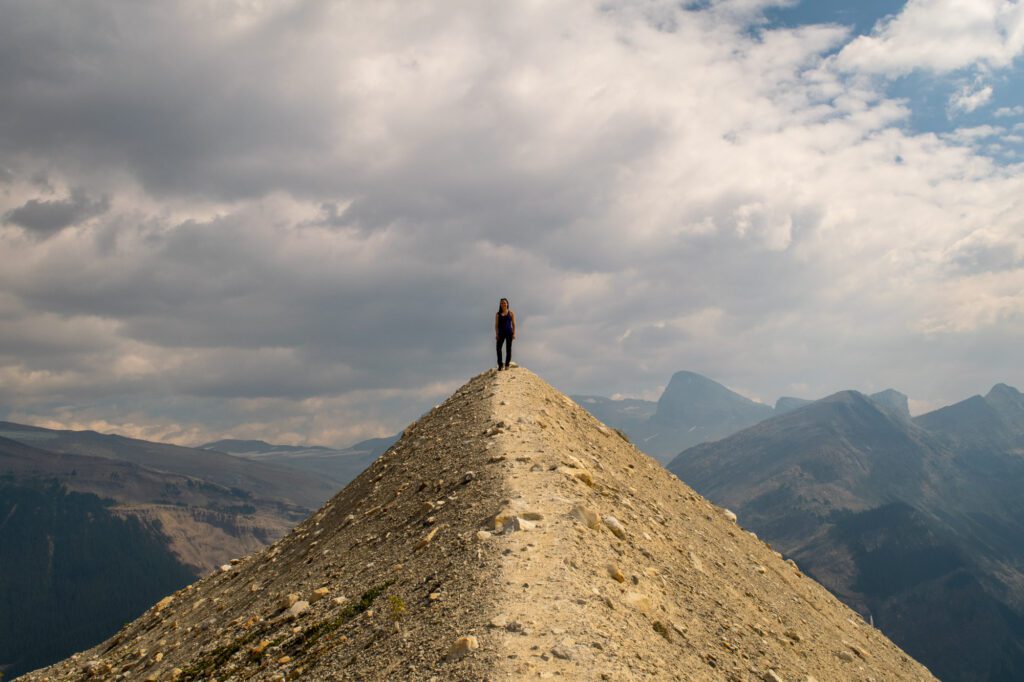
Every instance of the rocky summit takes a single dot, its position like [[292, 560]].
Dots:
[[507, 535]]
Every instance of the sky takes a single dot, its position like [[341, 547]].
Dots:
[[293, 220]]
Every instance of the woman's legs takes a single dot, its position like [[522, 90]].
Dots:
[[508, 349]]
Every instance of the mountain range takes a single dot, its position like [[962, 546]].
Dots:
[[339, 466], [913, 522], [507, 535], [918, 524], [694, 409], [93, 526]]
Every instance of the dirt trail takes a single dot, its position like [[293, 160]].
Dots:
[[508, 535]]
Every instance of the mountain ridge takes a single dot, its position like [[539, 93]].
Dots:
[[902, 521], [231, 445], [339, 466], [98, 535], [256, 477], [507, 534], [694, 409]]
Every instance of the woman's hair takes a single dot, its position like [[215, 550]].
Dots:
[[506, 303]]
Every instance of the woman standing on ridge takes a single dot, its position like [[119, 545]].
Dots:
[[504, 330]]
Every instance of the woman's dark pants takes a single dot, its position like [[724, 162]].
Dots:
[[508, 349]]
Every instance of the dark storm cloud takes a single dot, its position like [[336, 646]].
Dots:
[[164, 91], [44, 219]]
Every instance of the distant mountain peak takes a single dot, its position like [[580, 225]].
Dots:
[[1001, 390], [235, 446], [849, 397], [894, 400], [788, 403], [238, 445], [890, 398], [691, 397], [883, 412]]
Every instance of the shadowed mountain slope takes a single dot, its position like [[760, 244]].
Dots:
[[199, 519], [925, 538], [72, 571], [87, 542], [507, 535]]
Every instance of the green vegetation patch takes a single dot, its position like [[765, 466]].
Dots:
[[305, 640], [212, 661], [208, 664]]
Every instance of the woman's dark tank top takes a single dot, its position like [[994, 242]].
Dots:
[[505, 324]]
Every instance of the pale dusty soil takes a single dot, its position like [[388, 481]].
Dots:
[[700, 599]]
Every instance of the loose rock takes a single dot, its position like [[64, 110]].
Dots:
[[425, 540], [587, 516], [615, 527], [462, 647], [296, 609]]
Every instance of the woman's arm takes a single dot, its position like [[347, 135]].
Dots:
[[496, 321], [513, 323]]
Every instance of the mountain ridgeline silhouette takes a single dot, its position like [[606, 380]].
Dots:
[[694, 409], [981, 424], [918, 524], [338, 466], [693, 400], [506, 535]]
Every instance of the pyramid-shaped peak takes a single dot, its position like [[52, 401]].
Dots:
[[1003, 393], [1005, 389], [894, 400], [507, 535], [690, 398]]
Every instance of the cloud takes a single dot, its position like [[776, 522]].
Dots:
[[973, 134], [969, 98], [987, 251], [313, 210], [940, 36], [46, 218], [1003, 112]]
